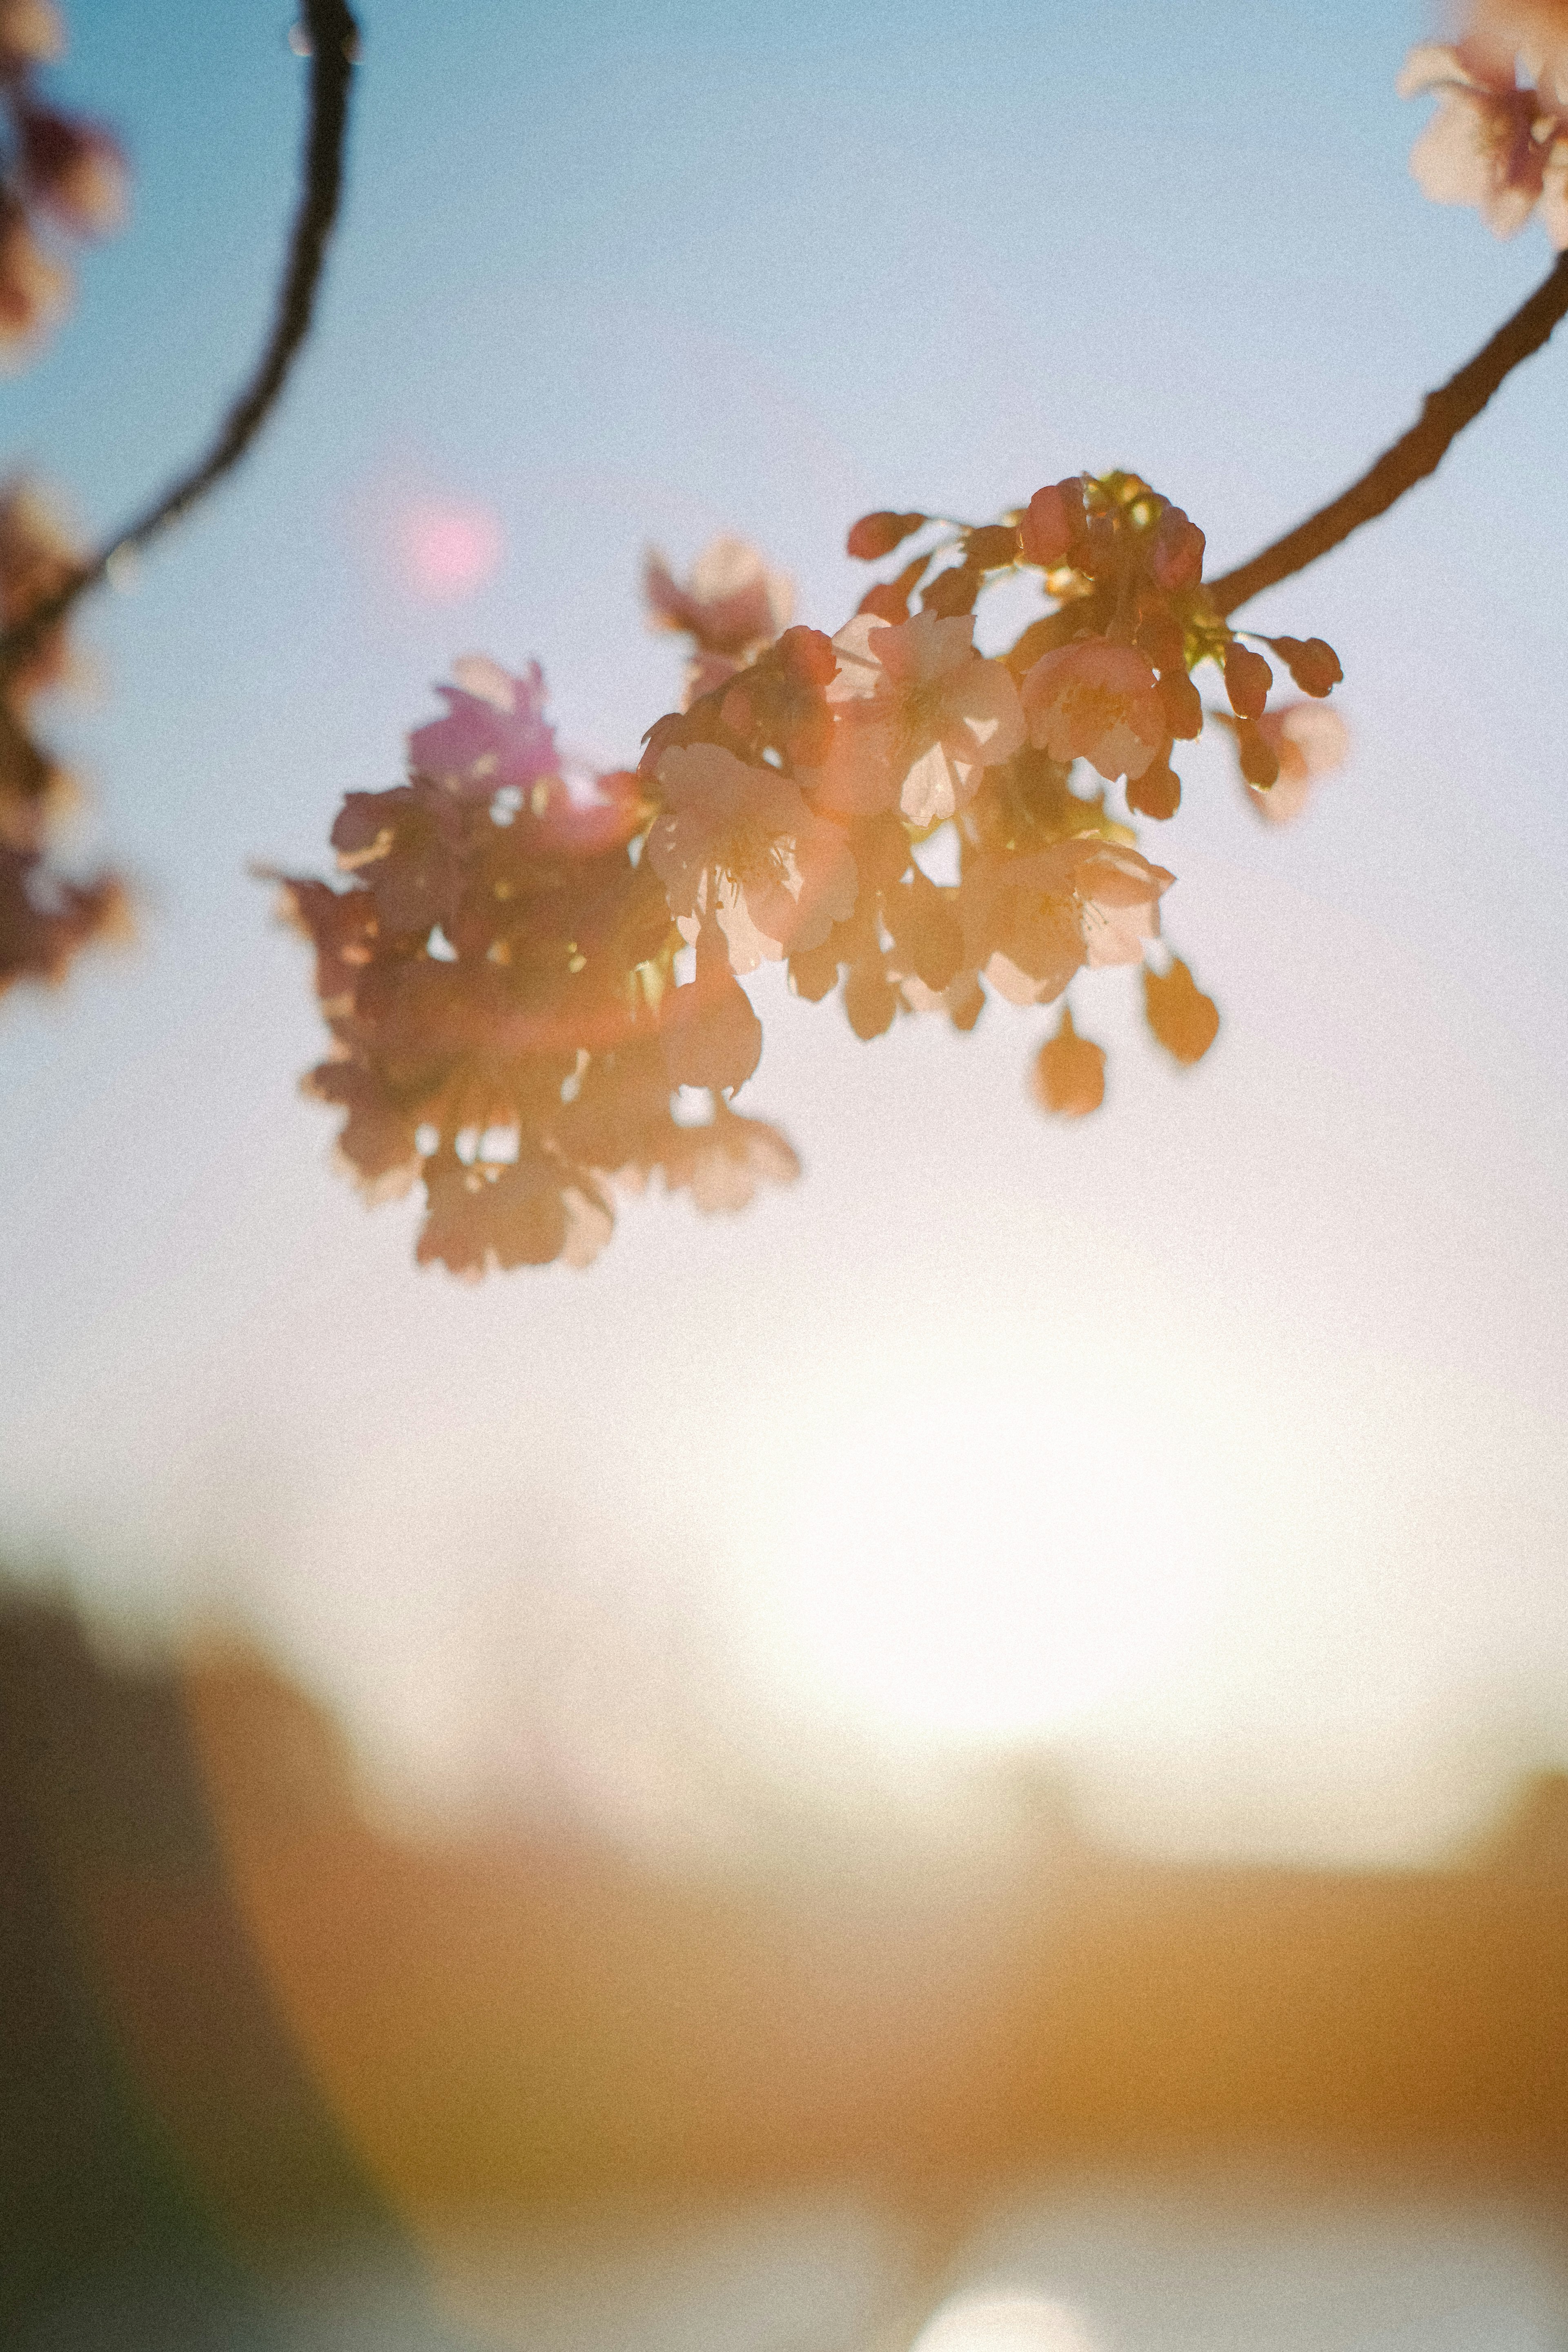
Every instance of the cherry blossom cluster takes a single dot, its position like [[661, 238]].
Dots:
[[1498, 138], [524, 965], [45, 916], [60, 173]]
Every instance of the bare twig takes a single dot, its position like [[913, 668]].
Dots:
[[1443, 416], [333, 41]]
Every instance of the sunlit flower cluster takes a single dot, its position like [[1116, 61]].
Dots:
[[45, 916], [522, 967], [1498, 138], [60, 174]]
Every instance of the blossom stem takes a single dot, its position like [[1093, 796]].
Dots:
[[334, 42], [1444, 416]]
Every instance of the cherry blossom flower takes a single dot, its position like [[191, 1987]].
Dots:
[[734, 603], [1032, 922], [1098, 702], [722, 1163], [917, 716], [1308, 742], [738, 844], [494, 733], [1491, 143]]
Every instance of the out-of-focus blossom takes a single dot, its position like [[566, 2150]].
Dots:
[[76, 168], [917, 716], [34, 287], [1069, 1076], [723, 1163], [1183, 1018], [1098, 702], [46, 920], [733, 602], [31, 34], [1308, 742], [529, 1212], [738, 844], [1491, 143], [494, 735], [1534, 32]]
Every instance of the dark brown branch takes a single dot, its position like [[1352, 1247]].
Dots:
[[1443, 416], [333, 39]]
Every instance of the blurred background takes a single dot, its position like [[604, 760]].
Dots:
[[984, 1738]]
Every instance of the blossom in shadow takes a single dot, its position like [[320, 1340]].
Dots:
[[1032, 922], [712, 1036], [1100, 702], [737, 843], [732, 603], [918, 717], [494, 734]]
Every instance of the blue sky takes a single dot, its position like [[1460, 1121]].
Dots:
[[631, 274]]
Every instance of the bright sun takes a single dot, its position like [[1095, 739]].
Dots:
[[979, 1557]]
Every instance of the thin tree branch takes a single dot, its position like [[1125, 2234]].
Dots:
[[333, 39], [1443, 416]]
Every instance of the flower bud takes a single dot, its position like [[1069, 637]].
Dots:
[[1183, 1018], [1259, 760], [1314, 665], [1068, 1076], [876, 535], [1176, 558], [1052, 520], [809, 654], [1157, 793], [1184, 705], [1248, 678], [992, 546]]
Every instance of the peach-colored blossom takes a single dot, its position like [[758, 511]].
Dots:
[[1098, 702], [723, 1163], [917, 715], [1490, 143], [1032, 922], [733, 602], [738, 844], [1309, 741]]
